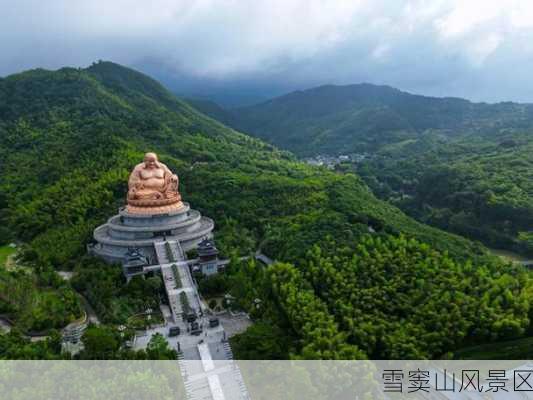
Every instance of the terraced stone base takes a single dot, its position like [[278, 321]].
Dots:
[[154, 209], [128, 230]]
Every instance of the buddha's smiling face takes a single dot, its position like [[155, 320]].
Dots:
[[150, 161]]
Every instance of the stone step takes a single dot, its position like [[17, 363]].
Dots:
[[161, 253], [176, 250]]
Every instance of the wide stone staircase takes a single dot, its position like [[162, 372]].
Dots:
[[161, 253], [202, 377], [169, 251]]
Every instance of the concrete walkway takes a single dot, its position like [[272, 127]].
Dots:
[[206, 344]]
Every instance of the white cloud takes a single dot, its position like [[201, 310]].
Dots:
[[380, 51], [466, 16], [483, 48]]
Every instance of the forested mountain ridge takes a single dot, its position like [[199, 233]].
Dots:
[[69, 140], [363, 117], [449, 162], [72, 129], [213, 110]]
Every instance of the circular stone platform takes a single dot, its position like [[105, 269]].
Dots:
[[142, 231]]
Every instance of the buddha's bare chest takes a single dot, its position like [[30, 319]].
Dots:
[[157, 173]]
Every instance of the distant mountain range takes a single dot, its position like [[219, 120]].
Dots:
[[462, 166], [364, 117]]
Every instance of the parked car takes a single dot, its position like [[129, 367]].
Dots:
[[195, 329], [174, 331], [191, 317]]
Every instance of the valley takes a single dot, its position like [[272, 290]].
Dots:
[[461, 166]]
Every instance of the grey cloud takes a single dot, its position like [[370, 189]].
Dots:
[[482, 50]]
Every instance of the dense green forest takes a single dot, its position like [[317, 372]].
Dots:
[[69, 140], [461, 166], [37, 302], [479, 187], [103, 286], [384, 297], [71, 136]]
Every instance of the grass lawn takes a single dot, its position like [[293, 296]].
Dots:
[[5, 251], [519, 349]]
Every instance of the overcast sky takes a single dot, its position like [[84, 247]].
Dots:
[[478, 49]]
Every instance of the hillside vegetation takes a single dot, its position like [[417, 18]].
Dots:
[[363, 118], [478, 187], [461, 166], [70, 138], [396, 298]]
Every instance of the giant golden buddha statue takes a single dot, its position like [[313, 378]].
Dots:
[[153, 188]]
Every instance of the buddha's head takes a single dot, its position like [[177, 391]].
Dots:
[[150, 160]]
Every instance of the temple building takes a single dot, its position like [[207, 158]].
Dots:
[[155, 227], [208, 261]]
